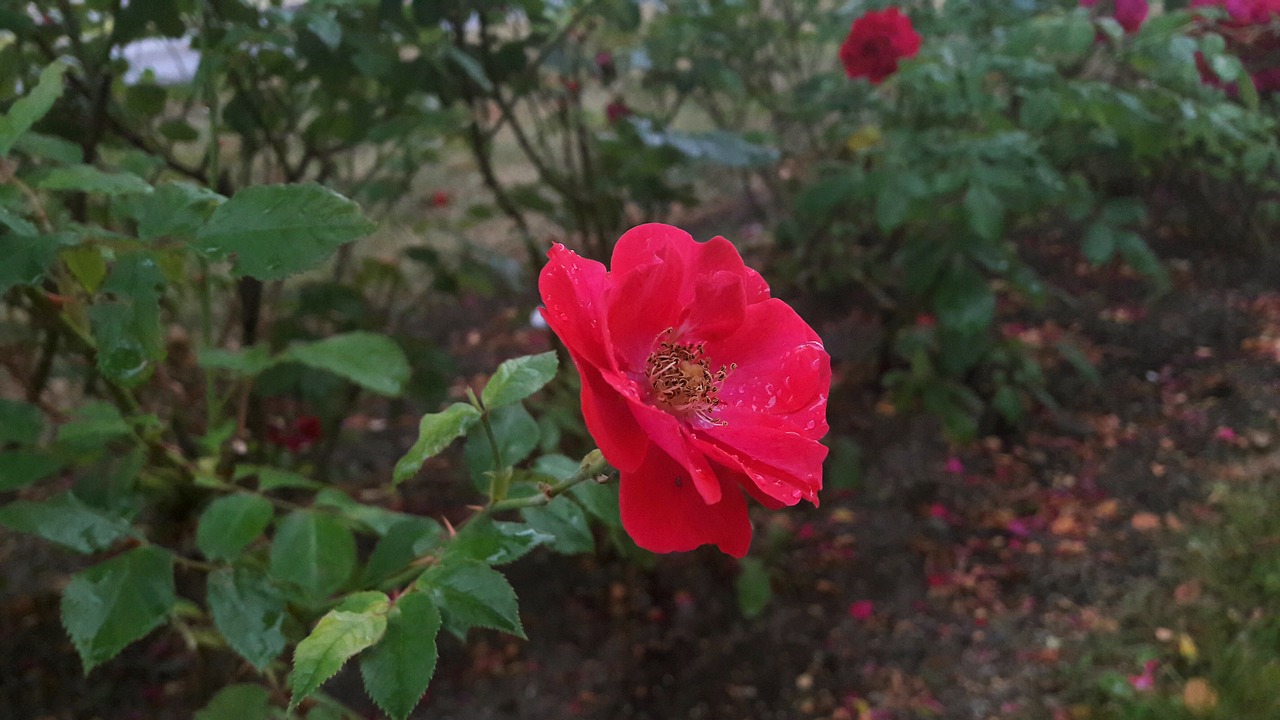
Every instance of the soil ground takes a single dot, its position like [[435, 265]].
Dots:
[[950, 582]]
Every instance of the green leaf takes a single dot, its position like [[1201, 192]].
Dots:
[[566, 522], [274, 231], [1008, 402], [248, 613], [1124, 211], [718, 147], [472, 594], [495, 542], [377, 519], [1139, 256], [175, 209], [246, 362], [374, 362], [405, 541], [238, 702], [19, 225], [20, 423], [94, 425], [356, 624], [128, 329], [230, 523], [398, 669], [964, 301], [518, 378], [49, 147], [116, 602], [29, 109], [66, 520], [325, 26], [145, 98], [178, 130], [20, 468], [435, 432], [600, 500], [89, 179], [986, 212], [1099, 243], [1079, 361], [87, 265], [516, 433], [273, 478], [313, 551], [892, 206], [754, 591], [469, 66], [27, 257]]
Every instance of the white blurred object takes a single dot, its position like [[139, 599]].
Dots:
[[536, 321], [172, 60]]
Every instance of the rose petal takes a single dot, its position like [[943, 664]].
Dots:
[[664, 513], [783, 463], [572, 290], [719, 255], [670, 434], [782, 368], [645, 302], [719, 306], [610, 421], [640, 245]]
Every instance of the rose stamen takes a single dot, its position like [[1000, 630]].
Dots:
[[682, 379]]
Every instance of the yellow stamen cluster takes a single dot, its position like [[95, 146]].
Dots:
[[682, 379]]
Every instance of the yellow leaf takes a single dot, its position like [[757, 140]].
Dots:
[[1187, 648], [867, 136]]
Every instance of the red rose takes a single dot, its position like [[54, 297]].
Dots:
[[876, 42], [441, 198], [695, 384]]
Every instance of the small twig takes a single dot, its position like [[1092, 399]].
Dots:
[[593, 466]]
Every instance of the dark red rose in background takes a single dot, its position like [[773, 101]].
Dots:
[[606, 66], [616, 110], [1129, 13], [696, 384], [441, 198], [301, 434], [876, 42]]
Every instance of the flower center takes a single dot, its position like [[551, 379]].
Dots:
[[682, 379]]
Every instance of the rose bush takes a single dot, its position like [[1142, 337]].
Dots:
[[1248, 35], [696, 384], [876, 42]]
